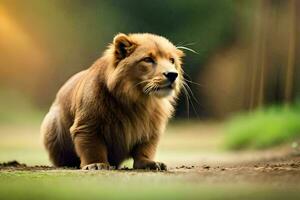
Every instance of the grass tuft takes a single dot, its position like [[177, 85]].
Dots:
[[263, 128]]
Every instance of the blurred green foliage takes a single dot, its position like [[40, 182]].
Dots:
[[264, 128], [87, 27], [202, 25]]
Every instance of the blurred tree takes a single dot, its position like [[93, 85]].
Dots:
[[261, 66]]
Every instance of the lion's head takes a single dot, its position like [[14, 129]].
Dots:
[[144, 65]]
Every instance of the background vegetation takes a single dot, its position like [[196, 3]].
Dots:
[[264, 128]]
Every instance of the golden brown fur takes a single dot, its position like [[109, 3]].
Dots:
[[114, 110]]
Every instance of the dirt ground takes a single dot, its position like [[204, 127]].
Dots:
[[280, 169], [197, 167]]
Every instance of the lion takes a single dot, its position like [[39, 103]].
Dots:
[[118, 108]]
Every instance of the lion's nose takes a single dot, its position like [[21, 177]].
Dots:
[[171, 76]]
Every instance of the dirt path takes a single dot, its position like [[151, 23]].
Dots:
[[275, 171], [235, 176]]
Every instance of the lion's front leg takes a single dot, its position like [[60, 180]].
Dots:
[[143, 155], [90, 149]]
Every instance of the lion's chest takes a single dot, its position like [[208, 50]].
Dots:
[[127, 132], [123, 133]]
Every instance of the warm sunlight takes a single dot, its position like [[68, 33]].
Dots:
[[17, 43]]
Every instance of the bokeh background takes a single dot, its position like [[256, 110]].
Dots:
[[243, 77], [243, 113]]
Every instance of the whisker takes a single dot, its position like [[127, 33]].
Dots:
[[188, 49], [187, 101], [179, 44], [150, 87], [193, 82], [190, 90], [185, 82], [188, 44], [194, 108], [185, 74], [185, 44], [145, 81], [147, 87], [155, 87]]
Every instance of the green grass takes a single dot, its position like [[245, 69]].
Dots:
[[127, 185], [263, 128]]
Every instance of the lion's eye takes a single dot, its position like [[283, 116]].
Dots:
[[148, 60], [172, 60]]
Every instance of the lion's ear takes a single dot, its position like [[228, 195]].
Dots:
[[124, 46]]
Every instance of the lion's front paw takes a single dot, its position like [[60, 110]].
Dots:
[[151, 165], [97, 166]]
